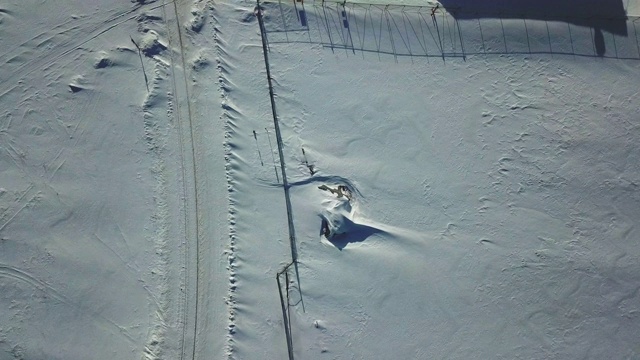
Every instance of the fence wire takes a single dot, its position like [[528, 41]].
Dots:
[[428, 31]]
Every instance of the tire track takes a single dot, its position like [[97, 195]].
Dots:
[[175, 108], [191, 155]]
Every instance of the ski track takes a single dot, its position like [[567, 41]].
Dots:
[[184, 38], [180, 94], [75, 40], [174, 113], [17, 274], [156, 133]]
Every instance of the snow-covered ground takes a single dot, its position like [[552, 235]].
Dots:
[[460, 186]]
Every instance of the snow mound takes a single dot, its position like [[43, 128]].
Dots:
[[78, 83], [150, 44], [197, 22], [338, 214], [103, 61], [200, 62]]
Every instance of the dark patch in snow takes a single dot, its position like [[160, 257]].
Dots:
[[608, 15], [197, 23], [341, 231], [75, 88], [598, 41], [152, 48], [103, 63], [146, 18]]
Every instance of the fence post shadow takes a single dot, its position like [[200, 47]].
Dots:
[[404, 31], [635, 30]]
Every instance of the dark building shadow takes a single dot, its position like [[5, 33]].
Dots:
[[455, 28], [607, 15], [600, 15]]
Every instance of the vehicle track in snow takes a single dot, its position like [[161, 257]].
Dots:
[[186, 349], [185, 128]]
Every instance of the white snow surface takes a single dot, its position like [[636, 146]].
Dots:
[[478, 178]]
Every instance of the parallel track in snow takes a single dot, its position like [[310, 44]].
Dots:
[[187, 350]]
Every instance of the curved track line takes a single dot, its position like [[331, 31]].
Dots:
[[24, 277], [69, 46]]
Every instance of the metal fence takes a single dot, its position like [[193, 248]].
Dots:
[[284, 289], [427, 31]]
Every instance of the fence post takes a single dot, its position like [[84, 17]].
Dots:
[[285, 312]]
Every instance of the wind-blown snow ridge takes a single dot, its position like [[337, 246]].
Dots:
[[155, 137], [229, 129]]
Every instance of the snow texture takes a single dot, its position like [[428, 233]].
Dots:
[[463, 180]]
